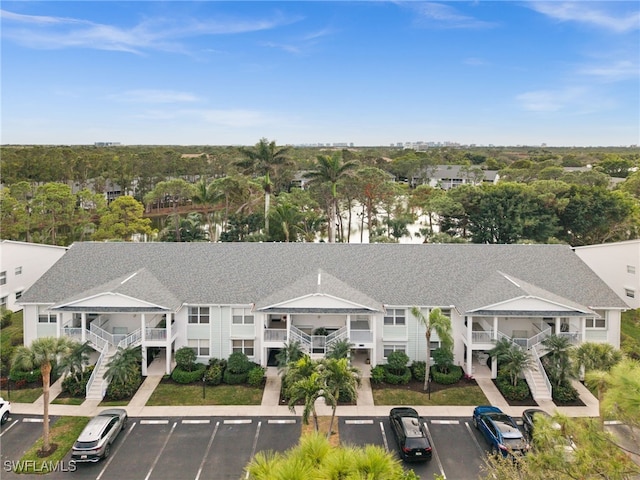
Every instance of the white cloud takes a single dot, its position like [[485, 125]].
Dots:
[[446, 16], [612, 71], [551, 100], [591, 13], [154, 96]]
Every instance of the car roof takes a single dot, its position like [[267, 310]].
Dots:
[[112, 412], [94, 428], [404, 412], [505, 424]]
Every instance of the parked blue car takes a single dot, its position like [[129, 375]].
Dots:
[[500, 431]]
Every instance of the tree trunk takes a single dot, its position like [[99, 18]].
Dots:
[[267, 202], [332, 221], [45, 369], [427, 371]]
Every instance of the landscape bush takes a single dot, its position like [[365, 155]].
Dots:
[[123, 390], [214, 373], [76, 387], [256, 376], [418, 370], [518, 392], [238, 363], [564, 393], [397, 362], [30, 376], [231, 378], [393, 378], [377, 374], [186, 359], [188, 376], [453, 375], [6, 318]]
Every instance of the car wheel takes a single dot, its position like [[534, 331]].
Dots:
[[475, 422], [107, 450], [494, 450], [5, 417]]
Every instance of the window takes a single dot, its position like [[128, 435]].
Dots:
[[198, 314], [390, 348], [47, 318], [596, 322], [242, 316], [395, 316], [629, 293], [200, 347], [18, 294], [3, 278], [18, 271], [631, 269], [243, 346], [3, 301]]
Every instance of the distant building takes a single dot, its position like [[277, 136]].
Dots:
[[107, 144], [447, 177], [21, 264], [618, 264]]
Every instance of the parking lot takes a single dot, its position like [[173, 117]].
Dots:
[[219, 448]]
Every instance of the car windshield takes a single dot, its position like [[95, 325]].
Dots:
[[514, 443], [84, 445]]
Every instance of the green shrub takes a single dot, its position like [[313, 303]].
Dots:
[[218, 361], [519, 392], [77, 387], [255, 376], [443, 359], [238, 363], [418, 370], [452, 376], [377, 374], [16, 339], [213, 375], [231, 378], [393, 378], [397, 362], [29, 377], [6, 318], [186, 359], [565, 393], [120, 391], [185, 376]]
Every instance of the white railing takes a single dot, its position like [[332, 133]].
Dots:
[[96, 340], [94, 374], [538, 338], [361, 336], [542, 371], [318, 343], [275, 335], [574, 338], [96, 330], [340, 334], [482, 336], [72, 332], [131, 339], [155, 334], [304, 339]]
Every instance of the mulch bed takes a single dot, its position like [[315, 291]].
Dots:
[[526, 402], [418, 386]]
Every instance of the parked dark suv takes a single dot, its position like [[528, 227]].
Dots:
[[411, 436]]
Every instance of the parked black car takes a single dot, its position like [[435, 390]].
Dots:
[[411, 435]]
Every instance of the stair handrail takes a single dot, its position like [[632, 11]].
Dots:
[[542, 371], [93, 328], [94, 374], [131, 339], [336, 336], [303, 338], [538, 338]]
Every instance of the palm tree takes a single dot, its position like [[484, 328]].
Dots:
[[557, 360], [205, 195], [263, 160], [291, 352], [331, 170], [595, 356], [512, 359], [43, 353], [439, 323], [288, 218], [308, 389], [74, 363], [124, 365], [339, 377], [622, 397], [340, 349]]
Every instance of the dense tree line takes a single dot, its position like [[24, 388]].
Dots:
[[56, 194]]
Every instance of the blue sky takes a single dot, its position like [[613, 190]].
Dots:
[[367, 73]]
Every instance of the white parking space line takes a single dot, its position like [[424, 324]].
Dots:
[[282, 422], [255, 444], [473, 437], [161, 450], [358, 422], [154, 422], [6, 429], [206, 453], [384, 437], [33, 420], [445, 422], [113, 454], [237, 422], [435, 451], [196, 422]]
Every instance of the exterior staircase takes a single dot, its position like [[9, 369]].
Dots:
[[97, 385]]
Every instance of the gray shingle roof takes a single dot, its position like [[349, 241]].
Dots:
[[465, 275]]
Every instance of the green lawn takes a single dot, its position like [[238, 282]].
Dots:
[[63, 433], [68, 401], [23, 395], [467, 395], [173, 394], [630, 332]]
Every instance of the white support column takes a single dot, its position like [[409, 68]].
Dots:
[[167, 369], [143, 334], [583, 328], [494, 360], [556, 325], [83, 326], [469, 359], [58, 323]]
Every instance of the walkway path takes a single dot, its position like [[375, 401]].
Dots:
[[270, 405]]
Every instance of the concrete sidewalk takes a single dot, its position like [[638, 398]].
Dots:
[[271, 407]]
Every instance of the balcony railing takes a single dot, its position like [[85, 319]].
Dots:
[[482, 336], [275, 335], [361, 336]]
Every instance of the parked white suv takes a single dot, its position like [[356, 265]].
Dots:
[[5, 410]]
